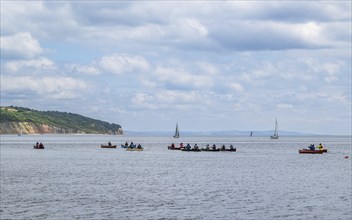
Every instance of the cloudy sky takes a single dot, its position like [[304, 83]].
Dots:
[[224, 65]]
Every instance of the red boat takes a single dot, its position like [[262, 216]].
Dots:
[[307, 151]]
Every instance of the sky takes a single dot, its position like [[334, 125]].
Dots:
[[206, 65]]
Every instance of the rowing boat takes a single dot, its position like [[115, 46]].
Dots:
[[39, 147], [134, 149], [210, 150], [174, 148], [231, 150], [195, 150], [307, 151], [107, 146]]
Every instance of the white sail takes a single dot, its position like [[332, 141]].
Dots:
[[177, 133], [276, 132]]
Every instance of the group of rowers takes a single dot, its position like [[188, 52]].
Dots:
[[312, 147], [132, 145], [39, 145], [196, 147]]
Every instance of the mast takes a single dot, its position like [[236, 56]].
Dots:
[[276, 132]]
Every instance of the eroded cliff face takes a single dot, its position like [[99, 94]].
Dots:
[[30, 128]]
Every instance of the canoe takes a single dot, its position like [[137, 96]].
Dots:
[[35, 147], [134, 149], [195, 150], [231, 150], [210, 150], [307, 151], [107, 146]]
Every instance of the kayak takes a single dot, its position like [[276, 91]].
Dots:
[[107, 146], [307, 151], [134, 149]]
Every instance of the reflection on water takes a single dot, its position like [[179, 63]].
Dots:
[[265, 179]]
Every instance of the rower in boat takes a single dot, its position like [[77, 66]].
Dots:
[[311, 147], [181, 145], [132, 145], [139, 146], [214, 147], [223, 147], [231, 147], [172, 146], [196, 147], [207, 147], [188, 147], [109, 144], [320, 146]]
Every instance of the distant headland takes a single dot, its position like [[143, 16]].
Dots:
[[20, 120]]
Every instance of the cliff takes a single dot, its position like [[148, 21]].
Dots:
[[19, 120]]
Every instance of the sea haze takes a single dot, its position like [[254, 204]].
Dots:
[[226, 133], [73, 178]]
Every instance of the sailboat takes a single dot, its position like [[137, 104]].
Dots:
[[276, 133], [177, 133], [251, 134]]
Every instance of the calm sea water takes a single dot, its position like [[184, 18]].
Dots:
[[73, 178]]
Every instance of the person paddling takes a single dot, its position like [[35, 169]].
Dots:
[[311, 147]]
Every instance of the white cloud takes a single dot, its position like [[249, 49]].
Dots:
[[40, 63], [85, 69], [236, 87], [49, 87], [284, 106], [20, 46], [182, 78], [197, 26], [122, 63]]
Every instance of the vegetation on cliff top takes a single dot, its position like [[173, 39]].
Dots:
[[72, 123]]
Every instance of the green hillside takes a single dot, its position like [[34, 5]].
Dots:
[[52, 121]]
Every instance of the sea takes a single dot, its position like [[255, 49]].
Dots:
[[73, 178]]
